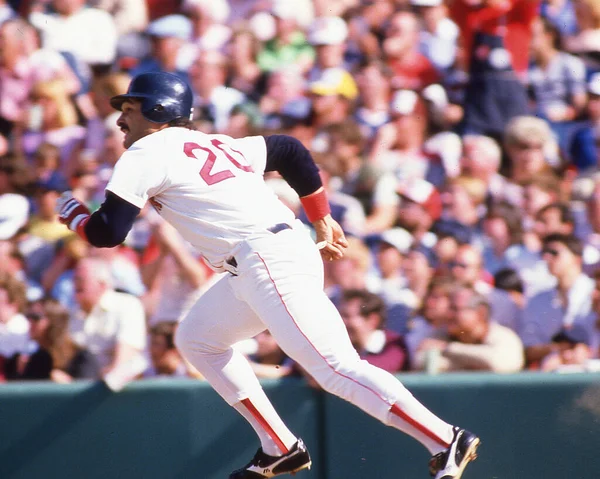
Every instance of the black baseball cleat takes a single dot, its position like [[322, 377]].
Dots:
[[451, 463], [262, 465]]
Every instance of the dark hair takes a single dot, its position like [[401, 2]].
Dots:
[[566, 215], [370, 303], [512, 217], [166, 329], [183, 122], [508, 279], [554, 32], [572, 243]]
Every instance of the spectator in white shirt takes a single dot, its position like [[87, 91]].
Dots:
[[89, 34], [110, 325], [14, 327]]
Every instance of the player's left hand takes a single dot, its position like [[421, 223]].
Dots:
[[330, 238]]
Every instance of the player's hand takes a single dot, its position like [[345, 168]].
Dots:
[[70, 210], [330, 238]]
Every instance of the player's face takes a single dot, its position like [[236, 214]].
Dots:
[[133, 124]]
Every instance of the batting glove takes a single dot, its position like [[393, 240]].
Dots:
[[71, 212]]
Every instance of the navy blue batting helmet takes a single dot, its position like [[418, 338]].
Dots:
[[164, 96]]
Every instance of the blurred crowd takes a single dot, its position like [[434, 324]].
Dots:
[[458, 140]]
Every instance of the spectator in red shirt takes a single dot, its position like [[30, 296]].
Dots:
[[411, 69], [494, 35]]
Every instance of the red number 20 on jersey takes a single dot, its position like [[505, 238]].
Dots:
[[206, 171]]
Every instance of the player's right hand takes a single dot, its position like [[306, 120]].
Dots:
[[330, 238], [70, 210]]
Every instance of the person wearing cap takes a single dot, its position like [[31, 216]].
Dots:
[[289, 45], [420, 206], [333, 97], [566, 304], [170, 50], [450, 235], [439, 37], [391, 248], [573, 351], [583, 148], [44, 222], [475, 342], [328, 37]]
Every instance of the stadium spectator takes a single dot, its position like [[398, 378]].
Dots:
[[364, 314], [170, 50], [111, 325], [269, 360], [531, 149], [583, 149], [214, 101], [450, 236], [420, 207], [430, 321], [565, 305], [210, 30], [289, 45], [14, 205], [373, 80], [556, 79], [411, 69], [172, 272], [573, 351], [561, 13], [165, 360], [88, 34], [475, 341], [327, 35], [585, 43], [14, 328], [438, 38], [482, 158]]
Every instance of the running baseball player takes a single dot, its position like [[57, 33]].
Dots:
[[211, 188]]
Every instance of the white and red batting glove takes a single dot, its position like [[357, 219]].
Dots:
[[72, 212]]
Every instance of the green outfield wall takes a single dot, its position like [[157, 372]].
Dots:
[[533, 426]]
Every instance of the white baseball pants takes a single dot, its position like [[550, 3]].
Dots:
[[278, 285]]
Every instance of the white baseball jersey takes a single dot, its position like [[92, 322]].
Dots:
[[209, 187]]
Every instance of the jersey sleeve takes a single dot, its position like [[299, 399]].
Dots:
[[138, 176]]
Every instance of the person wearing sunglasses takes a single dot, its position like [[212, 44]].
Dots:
[[565, 305]]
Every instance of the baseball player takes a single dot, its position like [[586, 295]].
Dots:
[[211, 188]]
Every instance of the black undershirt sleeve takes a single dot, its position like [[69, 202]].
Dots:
[[293, 161], [108, 226]]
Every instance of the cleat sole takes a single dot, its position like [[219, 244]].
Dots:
[[304, 466]]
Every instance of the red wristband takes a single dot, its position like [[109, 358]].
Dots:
[[316, 206]]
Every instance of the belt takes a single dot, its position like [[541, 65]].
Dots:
[[273, 229], [279, 227]]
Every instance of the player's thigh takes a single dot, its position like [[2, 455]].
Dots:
[[219, 319], [286, 292]]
